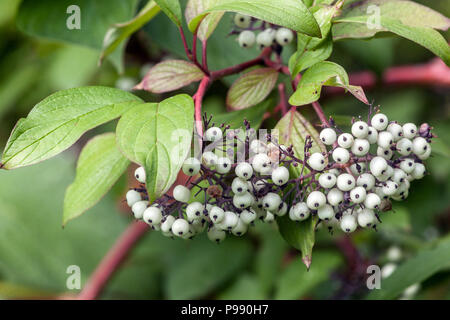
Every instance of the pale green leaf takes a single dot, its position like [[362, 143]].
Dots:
[[251, 88], [158, 137], [59, 120], [291, 14], [170, 75], [119, 32], [323, 73], [99, 166], [209, 23], [172, 9]]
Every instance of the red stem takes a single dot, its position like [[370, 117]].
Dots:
[[198, 103], [113, 259], [204, 54], [185, 45], [283, 101], [319, 111]]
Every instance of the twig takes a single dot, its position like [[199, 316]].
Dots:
[[283, 101], [198, 103], [320, 113]]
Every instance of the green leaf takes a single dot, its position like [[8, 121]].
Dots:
[[323, 73], [235, 118], [295, 282], [99, 166], [251, 88], [301, 235], [246, 287], [291, 14], [407, 12], [170, 75], [293, 129], [158, 137], [426, 37], [119, 32], [172, 9], [48, 18], [59, 120], [209, 23], [416, 269], [312, 50]]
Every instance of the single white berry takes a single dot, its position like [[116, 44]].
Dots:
[[258, 146], [284, 36], [315, 200], [265, 38], [194, 211], [140, 175], [166, 224], [372, 201], [409, 130], [425, 155], [299, 212], [327, 180], [419, 171], [378, 166], [242, 201], [335, 197], [239, 186], [223, 165], [209, 159], [358, 195], [216, 235], [282, 209], [399, 176], [244, 170], [248, 216], [385, 139], [269, 217], [366, 218], [419, 146], [181, 193], [389, 188], [404, 146], [341, 155], [379, 121], [387, 270], [407, 165], [360, 147], [348, 223], [328, 136], [138, 209], [240, 229], [216, 214], [271, 201], [345, 140], [372, 135], [213, 134], [325, 212], [280, 176], [366, 180], [132, 197], [358, 168], [180, 227], [191, 166], [261, 162], [345, 182], [396, 130], [246, 39], [230, 220], [152, 215], [385, 153], [317, 161], [242, 20], [360, 129]]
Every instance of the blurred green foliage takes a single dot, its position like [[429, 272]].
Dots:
[[35, 251]]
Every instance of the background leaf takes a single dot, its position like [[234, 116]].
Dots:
[[33, 17], [170, 75], [158, 137], [59, 120], [251, 88], [289, 13], [99, 166], [119, 32], [323, 73], [209, 23]]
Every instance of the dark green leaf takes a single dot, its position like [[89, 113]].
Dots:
[[99, 166], [251, 88], [59, 120], [158, 137], [235, 119]]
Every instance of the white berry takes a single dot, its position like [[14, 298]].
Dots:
[[213, 134], [315, 200], [317, 161], [284, 36], [248, 216], [216, 214], [379, 121], [216, 235], [419, 145], [132, 197], [385, 139], [360, 147], [180, 227], [360, 129], [348, 223], [152, 215], [341, 155], [372, 201], [396, 130], [358, 195], [209, 159], [366, 218], [247, 39], [328, 136], [366, 180], [244, 170], [372, 135], [335, 197], [191, 166], [223, 165], [166, 225], [181, 193], [243, 200], [327, 180], [299, 211], [345, 140], [409, 130], [280, 176], [242, 20], [378, 166], [138, 209], [345, 182], [325, 212], [140, 175], [239, 186], [261, 162]]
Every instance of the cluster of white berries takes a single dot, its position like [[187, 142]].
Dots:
[[372, 164], [267, 36]]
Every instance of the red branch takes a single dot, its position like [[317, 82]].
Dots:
[[198, 103], [320, 113], [283, 100], [113, 259]]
